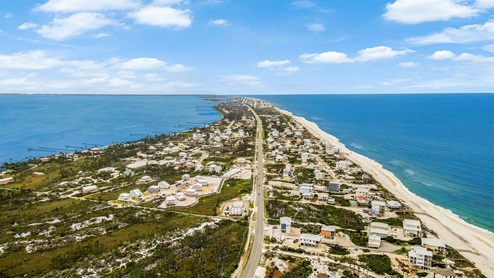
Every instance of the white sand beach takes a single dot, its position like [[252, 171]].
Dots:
[[474, 243]]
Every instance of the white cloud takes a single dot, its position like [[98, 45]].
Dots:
[[291, 69], [240, 79], [32, 60], [164, 17], [272, 64], [8, 15], [27, 26], [378, 53], [330, 57], [418, 11], [87, 5], [489, 47], [442, 55], [74, 25], [364, 55], [177, 68], [142, 64], [13, 82], [219, 22], [101, 35], [168, 2], [474, 58], [464, 34], [408, 64], [316, 27], [485, 4]]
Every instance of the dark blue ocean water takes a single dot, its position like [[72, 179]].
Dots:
[[440, 146], [41, 122]]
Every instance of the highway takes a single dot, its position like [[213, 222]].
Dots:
[[256, 251]]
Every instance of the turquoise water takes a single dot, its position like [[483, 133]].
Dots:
[[51, 124], [440, 146]]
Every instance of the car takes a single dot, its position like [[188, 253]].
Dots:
[[295, 240]]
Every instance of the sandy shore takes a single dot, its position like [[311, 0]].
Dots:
[[474, 243]]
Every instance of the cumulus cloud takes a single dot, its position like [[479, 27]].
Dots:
[[464, 34], [408, 64], [330, 57], [165, 17], [31, 60], [27, 26], [418, 11], [485, 4], [442, 55], [474, 58], [316, 27], [87, 5], [219, 22], [489, 47], [364, 55], [74, 25], [240, 79], [147, 64], [282, 66], [303, 4]]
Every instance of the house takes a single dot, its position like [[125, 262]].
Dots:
[[154, 189], [163, 185], [306, 188], [146, 179], [310, 239], [202, 181], [379, 229], [342, 164], [436, 245], [170, 201], [136, 193], [374, 241], [331, 201], [197, 186], [304, 157], [328, 231], [191, 192], [412, 228], [420, 257], [323, 197], [378, 207], [366, 178], [237, 209], [363, 191], [285, 225], [362, 201], [336, 150], [319, 175], [393, 205], [89, 188], [186, 177], [241, 161], [280, 158], [180, 196], [334, 187], [231, 173], [124, 197]]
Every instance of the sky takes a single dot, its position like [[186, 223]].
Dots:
[[246, 47]]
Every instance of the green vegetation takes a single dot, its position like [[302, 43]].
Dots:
[[339, 250], [300, 269], [209, 205], [380, 264], [329, 215]]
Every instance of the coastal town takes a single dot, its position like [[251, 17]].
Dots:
[[260, 193]]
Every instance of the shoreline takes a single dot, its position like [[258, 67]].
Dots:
[[473, 242]]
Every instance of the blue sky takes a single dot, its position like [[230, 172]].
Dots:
[[246, 47]]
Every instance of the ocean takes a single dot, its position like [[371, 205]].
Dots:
[[441, 146], [40, 125]]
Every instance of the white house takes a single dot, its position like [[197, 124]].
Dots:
[[378, 207], [89, 188], [304, 157], [237, 209], [146, 179], [363, 191], [319, 175], [420, 257], [342, 164], [124, 197], [436, 245], [374, 241], [379, 229], [412, 228], [191, 192], [186, 177], [163, 185], [197, 186], [154, 189], [285, 225], [230, 173], [323, 197], [305, 188], [136, 193], [170, 201], [394, 205], [202, 181], [309, 239], [180, 196]]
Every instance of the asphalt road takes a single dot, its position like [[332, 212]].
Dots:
[[255, 254]]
